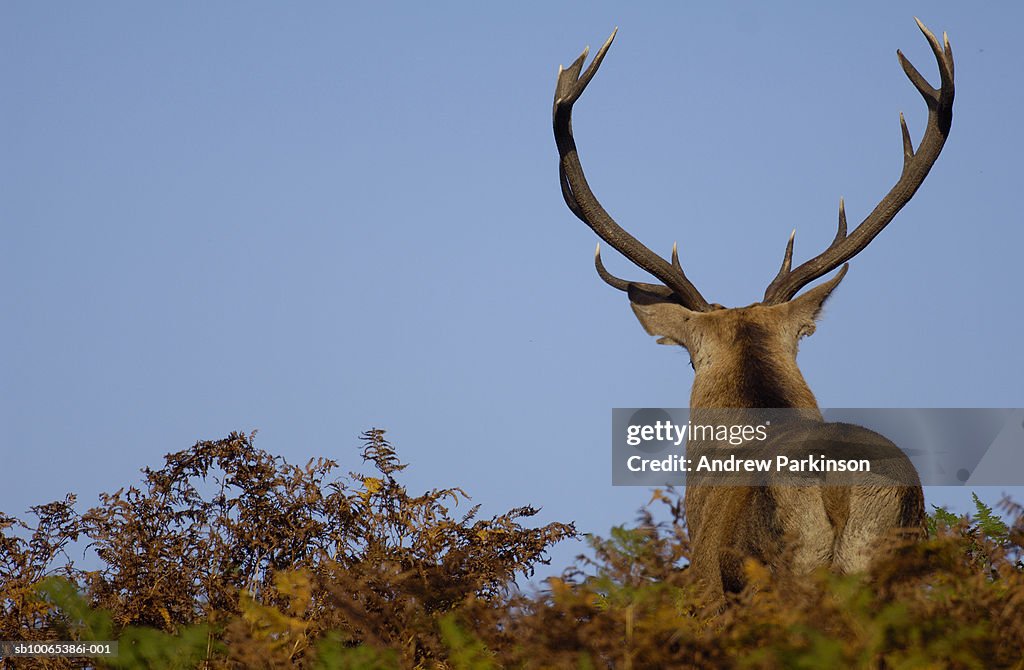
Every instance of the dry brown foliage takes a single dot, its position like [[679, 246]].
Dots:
[[228, 536], [228, 557]]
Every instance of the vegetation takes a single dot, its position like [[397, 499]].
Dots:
[[228, 557]]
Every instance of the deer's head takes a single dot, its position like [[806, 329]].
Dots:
[[745, 356]]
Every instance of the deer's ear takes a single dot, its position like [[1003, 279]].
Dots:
[[806, 307], [661, 316]]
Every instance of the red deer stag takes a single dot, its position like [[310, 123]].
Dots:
[[745, 357]]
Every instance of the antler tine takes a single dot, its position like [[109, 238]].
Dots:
[[622, 284], [675, 257], [787, 258], [916, 165], [608, 277], [572, 81], [841, 233]]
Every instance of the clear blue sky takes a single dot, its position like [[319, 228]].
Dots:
[[315, 219]]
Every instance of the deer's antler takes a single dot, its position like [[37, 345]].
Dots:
[[572, 81], [916, 165]]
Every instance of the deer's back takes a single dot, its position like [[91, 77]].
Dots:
[[802, 521]]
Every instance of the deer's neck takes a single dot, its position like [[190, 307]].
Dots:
[[753, 374]]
